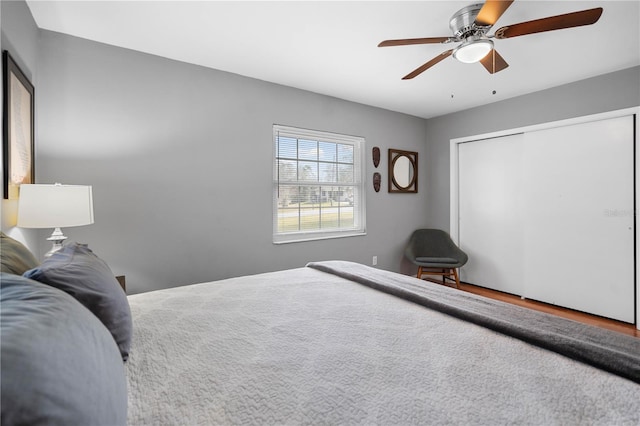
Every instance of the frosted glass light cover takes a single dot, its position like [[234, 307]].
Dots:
[[473, 51]]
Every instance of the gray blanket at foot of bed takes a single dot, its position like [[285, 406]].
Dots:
[[608, 350]]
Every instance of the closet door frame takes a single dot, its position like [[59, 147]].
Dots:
[[454, 173]]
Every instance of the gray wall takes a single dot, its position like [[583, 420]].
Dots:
[[180, 156], [609, 92], [19, 36], [180, 159]]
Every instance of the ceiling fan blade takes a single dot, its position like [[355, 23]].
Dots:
[[491, 12], [568, 20], [493, 62], [408, 41], [428, 65]]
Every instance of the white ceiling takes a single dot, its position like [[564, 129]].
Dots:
[[330, 47]]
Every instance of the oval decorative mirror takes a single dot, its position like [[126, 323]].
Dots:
[[403, 171]]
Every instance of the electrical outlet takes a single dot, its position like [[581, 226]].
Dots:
[[375, 260]]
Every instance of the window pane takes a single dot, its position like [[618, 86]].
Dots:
[[346, 217], [345, 153], [307, 150], [325, 195], [345, 173], [288, 196], [288, 220], [307, 171], [288, 199], [287, 170], [327, 151], [330, 218], [307, 195], [328, 172], [345, 196], [310, 219], [287, 147]]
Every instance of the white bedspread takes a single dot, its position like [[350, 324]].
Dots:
[[306, 347]]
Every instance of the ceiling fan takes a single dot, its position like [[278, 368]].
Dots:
[[471, 24]]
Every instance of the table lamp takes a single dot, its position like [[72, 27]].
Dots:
[[55, 206]]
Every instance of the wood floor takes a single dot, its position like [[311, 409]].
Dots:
[[597, 321]]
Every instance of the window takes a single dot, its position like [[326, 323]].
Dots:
[[318, 187]]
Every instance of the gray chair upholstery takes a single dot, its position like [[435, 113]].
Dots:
[[433, 251]]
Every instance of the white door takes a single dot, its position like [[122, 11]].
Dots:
[[490, 212], [549, 215], [579, 217]]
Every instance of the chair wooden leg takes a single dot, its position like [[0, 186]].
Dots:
[[445, 273], [455, 274]]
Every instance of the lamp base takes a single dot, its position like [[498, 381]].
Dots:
[[57, 237]]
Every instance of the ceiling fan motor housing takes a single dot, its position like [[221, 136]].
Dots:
[[463, 24]]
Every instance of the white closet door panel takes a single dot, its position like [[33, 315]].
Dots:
[[579, 217], [490, 222]]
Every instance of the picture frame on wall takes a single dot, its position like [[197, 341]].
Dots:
[[18, 140]]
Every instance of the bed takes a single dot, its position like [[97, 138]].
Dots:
[[329, 343], [342, 343]]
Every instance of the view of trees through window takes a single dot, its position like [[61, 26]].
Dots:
[[316, 184]]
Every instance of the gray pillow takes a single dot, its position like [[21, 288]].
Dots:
[[59, 364], [15, 258], [76, 270]]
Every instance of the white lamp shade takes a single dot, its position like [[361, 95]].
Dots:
[[55, 206]]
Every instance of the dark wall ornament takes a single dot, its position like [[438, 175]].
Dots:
[[376, 156], [403, 171], [377, 180]]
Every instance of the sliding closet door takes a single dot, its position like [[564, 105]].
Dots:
[[579, 217], [550, 215], [490, 212]]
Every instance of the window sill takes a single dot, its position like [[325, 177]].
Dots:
[[299, 238]]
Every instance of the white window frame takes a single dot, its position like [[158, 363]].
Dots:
[[358, 186]]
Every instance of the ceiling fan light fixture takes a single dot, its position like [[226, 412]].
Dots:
[[473, 50]]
